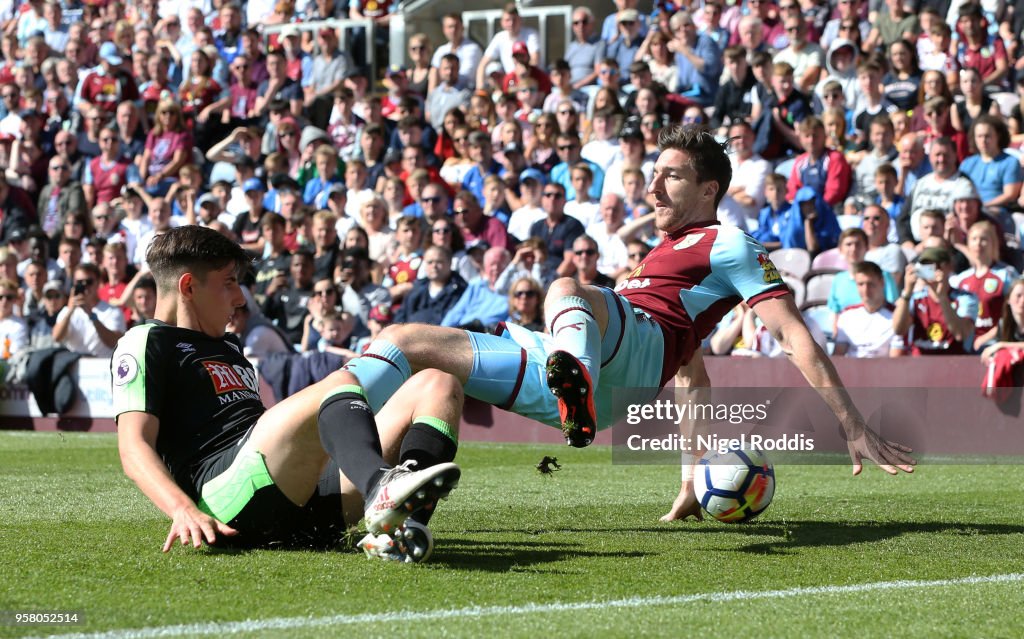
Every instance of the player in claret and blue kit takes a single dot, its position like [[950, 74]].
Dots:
[[195, 438], [642, 334]]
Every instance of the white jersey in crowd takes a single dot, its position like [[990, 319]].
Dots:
[[867, 334]]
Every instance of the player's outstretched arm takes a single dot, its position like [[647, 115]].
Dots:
[[136, 443], [691, 378], [782, 318]]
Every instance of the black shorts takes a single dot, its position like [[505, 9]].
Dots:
[[239, 489]]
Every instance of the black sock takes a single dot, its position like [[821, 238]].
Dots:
[[428, 446], [348, 433]]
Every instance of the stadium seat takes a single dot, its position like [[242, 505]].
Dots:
[[1006, 101], [829, 259], [799, 289], [822, 316], [785, 167], [818, 287], [795, 261], [849, 221]]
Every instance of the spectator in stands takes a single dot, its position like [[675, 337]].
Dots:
[[880, 151], [824, 170], [866, 329], [612, 251], [61, 197], [624, 46], [1011, 326], [481, 305], [41, 323], [978, 49], [474, 225], [481, 153], [568, 145], [583, 52], [105, 175], [360, 294], [937, 319], [697, 58], [117, 277], [13, 329], [583, 208], [885, 186], [286, 307], [326, 74], [448, 93], [933, 191], [526, 304], [732, 100], [323, 303], [35, 279], [247, 226], [996, 174], [557, 230], [168, 148], [69, 256], [88, 325], [902, 83], [912, 163], [870, 101], [434, 294], [892, 25], [143, 303], [500, 47], [107, 85], [467, 51], [806, 57], [776, 117], [882, 248], [847, 11], [745, 196], [853, 245], [632, 154], [272, 268], [585, 257], [988, 279]]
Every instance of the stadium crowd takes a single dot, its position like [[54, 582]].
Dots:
[[874, 145]]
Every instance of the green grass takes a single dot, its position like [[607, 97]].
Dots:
[[75, 534]]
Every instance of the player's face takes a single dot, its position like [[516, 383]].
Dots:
[[679, 198], [215, 298]]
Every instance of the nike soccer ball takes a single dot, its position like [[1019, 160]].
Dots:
[[734, 486]]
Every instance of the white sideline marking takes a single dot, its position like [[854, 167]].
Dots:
[[292, 623]]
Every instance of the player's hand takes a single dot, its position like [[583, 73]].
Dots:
[[890, 456], [684, 506], [193, 525]]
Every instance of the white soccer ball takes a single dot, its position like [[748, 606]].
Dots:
[[734, 486]]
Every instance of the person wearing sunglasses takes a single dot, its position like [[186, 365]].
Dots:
[[585, 255], [804, 55], [526, 304]]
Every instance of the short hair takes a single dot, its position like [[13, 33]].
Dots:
[[325, 217], [735, 53], [883, 120], [707, 157], [865, 267], [409, 221], [90, 268], [146, 282], [998, 126], [760, 58], [868, 67], [782, 68], [192, 249], [935, 214], [326, 151], [809, 124], [9, 284], [633, 171], [585, 168], [776, 179], [858, 233], [444, 251], [886, 170]]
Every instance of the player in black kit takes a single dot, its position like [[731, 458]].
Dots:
[[196, 439]]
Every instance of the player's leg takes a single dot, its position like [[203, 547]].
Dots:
[[403, 349], [577, 319]]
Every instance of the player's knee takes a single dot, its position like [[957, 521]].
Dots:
[[397, 334], [342, 377], [435, 383], [563, 287]]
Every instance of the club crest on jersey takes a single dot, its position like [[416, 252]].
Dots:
[[771, 274], [689, 241], [990, 285], [126, 370], [225, 378]]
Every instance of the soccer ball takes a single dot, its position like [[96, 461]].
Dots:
[[734, 486]]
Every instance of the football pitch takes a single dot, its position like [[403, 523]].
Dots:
[[579, 553]]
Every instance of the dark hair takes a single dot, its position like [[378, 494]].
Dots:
[[1008, 329], [858, 233], [707, 157], [998, 126], [91, 269], [192, 249], [864, 267], [146, 282]]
